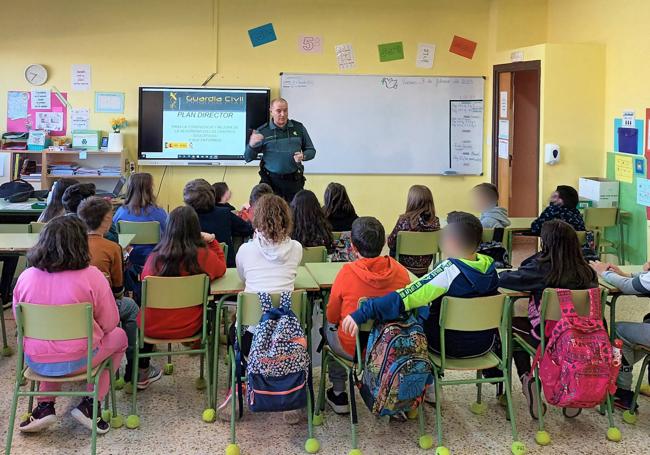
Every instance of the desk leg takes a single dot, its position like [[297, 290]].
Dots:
[[215, 352]]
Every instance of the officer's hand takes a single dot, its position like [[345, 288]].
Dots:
[[298, 157], [255, 139]]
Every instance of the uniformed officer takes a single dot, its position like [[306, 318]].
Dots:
[[284, 145]]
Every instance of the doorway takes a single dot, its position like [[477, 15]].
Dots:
[[515, 137]]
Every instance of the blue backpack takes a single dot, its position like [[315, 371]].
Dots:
[[398, 369], [278, 363]]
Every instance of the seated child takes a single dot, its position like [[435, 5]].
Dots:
[[219, 221], [420, 216], [97, 213], [72, 197], [54, 205], [486, 201], [183, 250], [563, 205], [310, 227], [222, 195], [268, 263], [259, 190], [338, 208], [465, 274], [61, 274], [632, 334], [560, 264], [370, 275], [140, 206]]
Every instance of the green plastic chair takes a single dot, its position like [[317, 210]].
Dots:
[[550, 311], [472, 315], [582, 237], [314, 254], [11, 229], [36, 227], [249, 312], [418, 244], [425, 441], [597, 219], [146, 232], [55, 323], [171, 293], [224, 247]]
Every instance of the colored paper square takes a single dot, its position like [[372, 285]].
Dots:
[[310, 44], [623, 168], [262, 35], [618, 123], [463, 47], [391, 51], [639, 166], [643, 191]]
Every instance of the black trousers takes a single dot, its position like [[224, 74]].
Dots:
[[9, 265], [285, 186]]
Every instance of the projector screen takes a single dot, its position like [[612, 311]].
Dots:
[[198, 125]]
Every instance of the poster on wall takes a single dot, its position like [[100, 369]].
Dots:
[[22, 116]]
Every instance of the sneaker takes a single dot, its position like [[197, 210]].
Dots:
[[225, 409], [42, 417], [623, 399], [293, 417], [400, 416], [338, 402], [147, 376], [83, 414], [430, 395], [571, 413], [530, 392]]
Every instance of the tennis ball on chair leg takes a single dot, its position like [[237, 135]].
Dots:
[[355, 452], [317, 420], [542, 438], [132, 422], [518, 448], [209, 415], [426, 441], [118, 384], [442, 451], [168, 369], [117, 421], [629, 417], [232, 449], [106, 415], [614, 434], [312, 445]]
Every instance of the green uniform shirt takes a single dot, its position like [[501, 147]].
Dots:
[[279, 146]]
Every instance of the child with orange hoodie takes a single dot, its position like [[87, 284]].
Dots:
[[371, 275]]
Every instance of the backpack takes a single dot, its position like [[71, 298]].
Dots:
[[14, 187], [495, 249], [398, 369], [343, 249], [278, 363], [577, 369]]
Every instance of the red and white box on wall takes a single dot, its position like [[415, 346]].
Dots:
[[601, 191]]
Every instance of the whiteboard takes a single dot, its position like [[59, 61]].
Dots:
[[370, 124]]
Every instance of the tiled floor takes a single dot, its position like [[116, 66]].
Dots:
[[171, 422]]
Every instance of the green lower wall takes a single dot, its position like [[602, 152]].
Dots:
[[635, 228]]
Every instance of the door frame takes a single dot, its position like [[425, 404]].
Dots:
[[512, 68]]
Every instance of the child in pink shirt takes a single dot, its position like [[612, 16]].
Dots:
[[61, 274]]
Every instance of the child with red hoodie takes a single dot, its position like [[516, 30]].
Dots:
[[371, 275]]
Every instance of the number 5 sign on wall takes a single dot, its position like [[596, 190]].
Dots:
[[310, 44]]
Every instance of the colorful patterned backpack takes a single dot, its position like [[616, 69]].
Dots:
[[278, 363], [577, 368], [397, 370]]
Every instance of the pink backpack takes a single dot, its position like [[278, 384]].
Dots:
[[577, 368]]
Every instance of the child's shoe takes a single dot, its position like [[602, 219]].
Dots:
[[623, 399], [147, 376], [338, 402], [529, 390], [83, 414], [42, 417]]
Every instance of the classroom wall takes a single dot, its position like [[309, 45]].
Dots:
[[159, 42]]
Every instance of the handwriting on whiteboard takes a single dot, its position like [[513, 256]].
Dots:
[[465, 133]]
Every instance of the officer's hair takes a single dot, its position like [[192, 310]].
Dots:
[[279, 100]]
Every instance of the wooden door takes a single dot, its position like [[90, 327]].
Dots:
[[504, 137]]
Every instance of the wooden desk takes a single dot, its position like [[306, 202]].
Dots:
[[19, 212], [20, 243], [324, 273], [230, 283]]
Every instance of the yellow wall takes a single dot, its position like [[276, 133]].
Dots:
[[623, 28]]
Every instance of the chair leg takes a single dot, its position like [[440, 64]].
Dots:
[[6, 349], [425, 440], [169, 366], [630, 415], [233, 448], [518, 447], [478, 408], [12, 417], [133, 420], [441, 448], [312, 445], [320, 405], [542, 437], [95, 396], [116, 419], [613, 433], [354, 418], [32, 388]]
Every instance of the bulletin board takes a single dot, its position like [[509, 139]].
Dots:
[[23, 119], [635, 227]]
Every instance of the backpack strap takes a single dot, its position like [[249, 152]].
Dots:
[[285, 300], [265, 301], [566, 303], [595, 305]]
